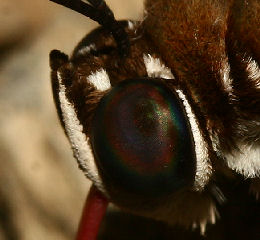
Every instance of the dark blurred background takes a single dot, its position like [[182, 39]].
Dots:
[[41, 189]]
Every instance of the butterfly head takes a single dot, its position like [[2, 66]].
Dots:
[[139, 103]]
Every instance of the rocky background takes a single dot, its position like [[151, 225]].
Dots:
[[41, 189]]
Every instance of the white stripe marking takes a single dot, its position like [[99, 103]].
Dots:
[[204, 168], [78, 140], [155, 68]]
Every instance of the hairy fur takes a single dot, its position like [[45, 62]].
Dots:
[[213, 51]]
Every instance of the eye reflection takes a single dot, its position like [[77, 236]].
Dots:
[[142, 140]]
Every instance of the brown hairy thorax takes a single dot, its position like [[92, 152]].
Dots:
[[200, 41], [212, 48]]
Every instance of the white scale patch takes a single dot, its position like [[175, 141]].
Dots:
[[87, 49], [78, 140], [155, 68], [245, 161], [100, 80]]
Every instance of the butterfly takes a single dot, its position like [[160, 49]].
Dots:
[[163, 114]]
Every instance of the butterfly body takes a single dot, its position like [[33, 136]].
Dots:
[[198, 50]]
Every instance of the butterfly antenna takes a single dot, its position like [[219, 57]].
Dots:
[[98, 11]]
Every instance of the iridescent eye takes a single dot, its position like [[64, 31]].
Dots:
[[142, 140]]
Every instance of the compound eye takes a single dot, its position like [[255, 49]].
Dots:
[[141, 139]]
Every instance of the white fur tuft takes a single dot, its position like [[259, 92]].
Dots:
[[253, 70], [100, 80], [245, 161], [155, 68]]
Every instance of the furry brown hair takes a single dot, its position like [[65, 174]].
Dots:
[[207, 49]]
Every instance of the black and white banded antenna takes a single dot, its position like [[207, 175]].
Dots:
[[98, 11]]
